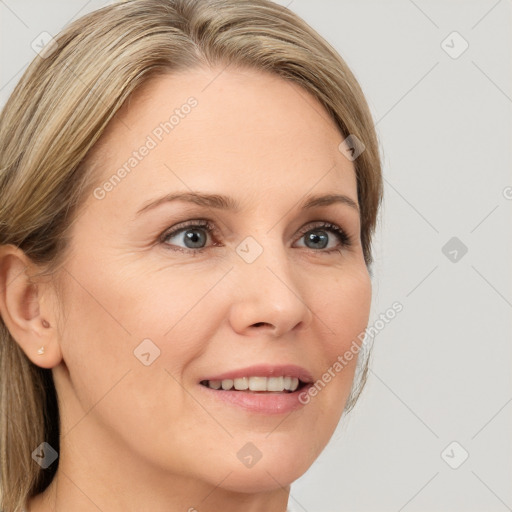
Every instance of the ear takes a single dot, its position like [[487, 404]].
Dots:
[[25, 310]]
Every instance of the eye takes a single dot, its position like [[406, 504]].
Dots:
[[320, 237], [195, 236]]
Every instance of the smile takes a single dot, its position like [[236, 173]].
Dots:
[[266, 389], [256, 384]]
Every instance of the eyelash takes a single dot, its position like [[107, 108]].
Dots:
[[343, 237]]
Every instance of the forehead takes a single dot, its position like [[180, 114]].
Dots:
[[244, 131]]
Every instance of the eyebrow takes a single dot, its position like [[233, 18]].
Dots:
[[222, 202]]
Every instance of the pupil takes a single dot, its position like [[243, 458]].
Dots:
[[319, 238], [194, 238]]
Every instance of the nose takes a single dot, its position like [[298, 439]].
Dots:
[[268, 297]]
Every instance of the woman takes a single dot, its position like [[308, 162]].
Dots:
[[188, 194]]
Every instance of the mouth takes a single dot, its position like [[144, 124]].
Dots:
[[257, 384], [261, 389]]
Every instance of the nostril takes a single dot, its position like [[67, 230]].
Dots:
[[258, 324]]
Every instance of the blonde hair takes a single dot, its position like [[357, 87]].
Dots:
[[60, 108]]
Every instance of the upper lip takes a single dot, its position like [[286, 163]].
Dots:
[[265, 370]]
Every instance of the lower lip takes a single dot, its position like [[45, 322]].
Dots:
[[263, 403]]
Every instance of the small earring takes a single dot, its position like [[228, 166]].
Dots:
[[41, 351]]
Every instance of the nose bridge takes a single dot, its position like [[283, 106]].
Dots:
[[269, 293]]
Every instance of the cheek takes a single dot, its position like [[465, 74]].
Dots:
[[343, 309], [111, 316], [95, 343], [178, 309]]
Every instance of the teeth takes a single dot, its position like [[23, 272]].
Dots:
[[258, 383], [215, 384], [241, 384], [227, 384], [276, 384]]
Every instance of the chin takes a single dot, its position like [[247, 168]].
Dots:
[[263, 465], [264, 477]]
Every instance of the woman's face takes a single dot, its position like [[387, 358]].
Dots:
[[237, 278]]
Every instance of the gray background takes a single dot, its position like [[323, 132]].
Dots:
[[441, 370]]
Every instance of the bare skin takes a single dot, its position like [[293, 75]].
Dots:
[[137, 437]]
